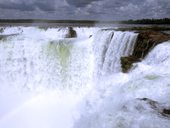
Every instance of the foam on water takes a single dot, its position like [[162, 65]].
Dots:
[[114, 101], [42, 76], [48, 81], [109, 47]]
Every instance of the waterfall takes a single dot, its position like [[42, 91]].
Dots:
[[43, 76], [109, 47], [44, 59], [49, 81], [115, 101]]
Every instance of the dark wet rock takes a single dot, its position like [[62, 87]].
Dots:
[[153, 104], [166, 111], [127, 62], [71, 33], [5, 36], [146, 41], [160, 108], [147, 106], [90, 36], [2, 30]]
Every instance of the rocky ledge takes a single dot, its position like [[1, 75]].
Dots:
[[147, 106], [146, 41], [71, 33]]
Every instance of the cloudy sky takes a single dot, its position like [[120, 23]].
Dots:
[[84, 9]]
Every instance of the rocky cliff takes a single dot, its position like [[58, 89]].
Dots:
[[146, 41]]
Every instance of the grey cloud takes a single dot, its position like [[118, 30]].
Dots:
[[80, 3], [45, 5], [123, 9], [23, 5], [86, 9], [17, 6]]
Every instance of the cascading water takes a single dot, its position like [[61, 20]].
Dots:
[[41, 72], [116, 101], [109, 47], [48, 81]]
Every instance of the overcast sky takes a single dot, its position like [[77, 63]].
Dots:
[[84, 9]]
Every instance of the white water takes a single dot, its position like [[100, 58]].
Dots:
[[113, 102], [47, 81], [109, 47], [42, 77]]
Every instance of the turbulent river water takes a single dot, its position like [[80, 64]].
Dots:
[[49, 81]]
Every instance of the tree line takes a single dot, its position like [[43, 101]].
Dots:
[[131, 21], [148, 21]]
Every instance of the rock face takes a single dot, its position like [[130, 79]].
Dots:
[[126, 62], [1, 30], [146, 41], [146, 105], [4, 37], [162, 109], [71, 33]]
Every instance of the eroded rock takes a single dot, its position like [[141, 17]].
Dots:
[[146, 41], [147, 106], [127, 62], [160, 108], [71, 33]]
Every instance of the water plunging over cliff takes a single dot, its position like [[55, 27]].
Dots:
[[49, 81], [109, 47]]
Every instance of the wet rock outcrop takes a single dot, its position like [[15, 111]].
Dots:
[[5, 36], [127, 62], [146, 41], [2, 30], [71, 33], [161, 109], [146, 105]]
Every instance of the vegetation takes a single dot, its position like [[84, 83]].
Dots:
[[140, 21], [148, 21], [43, 21]]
